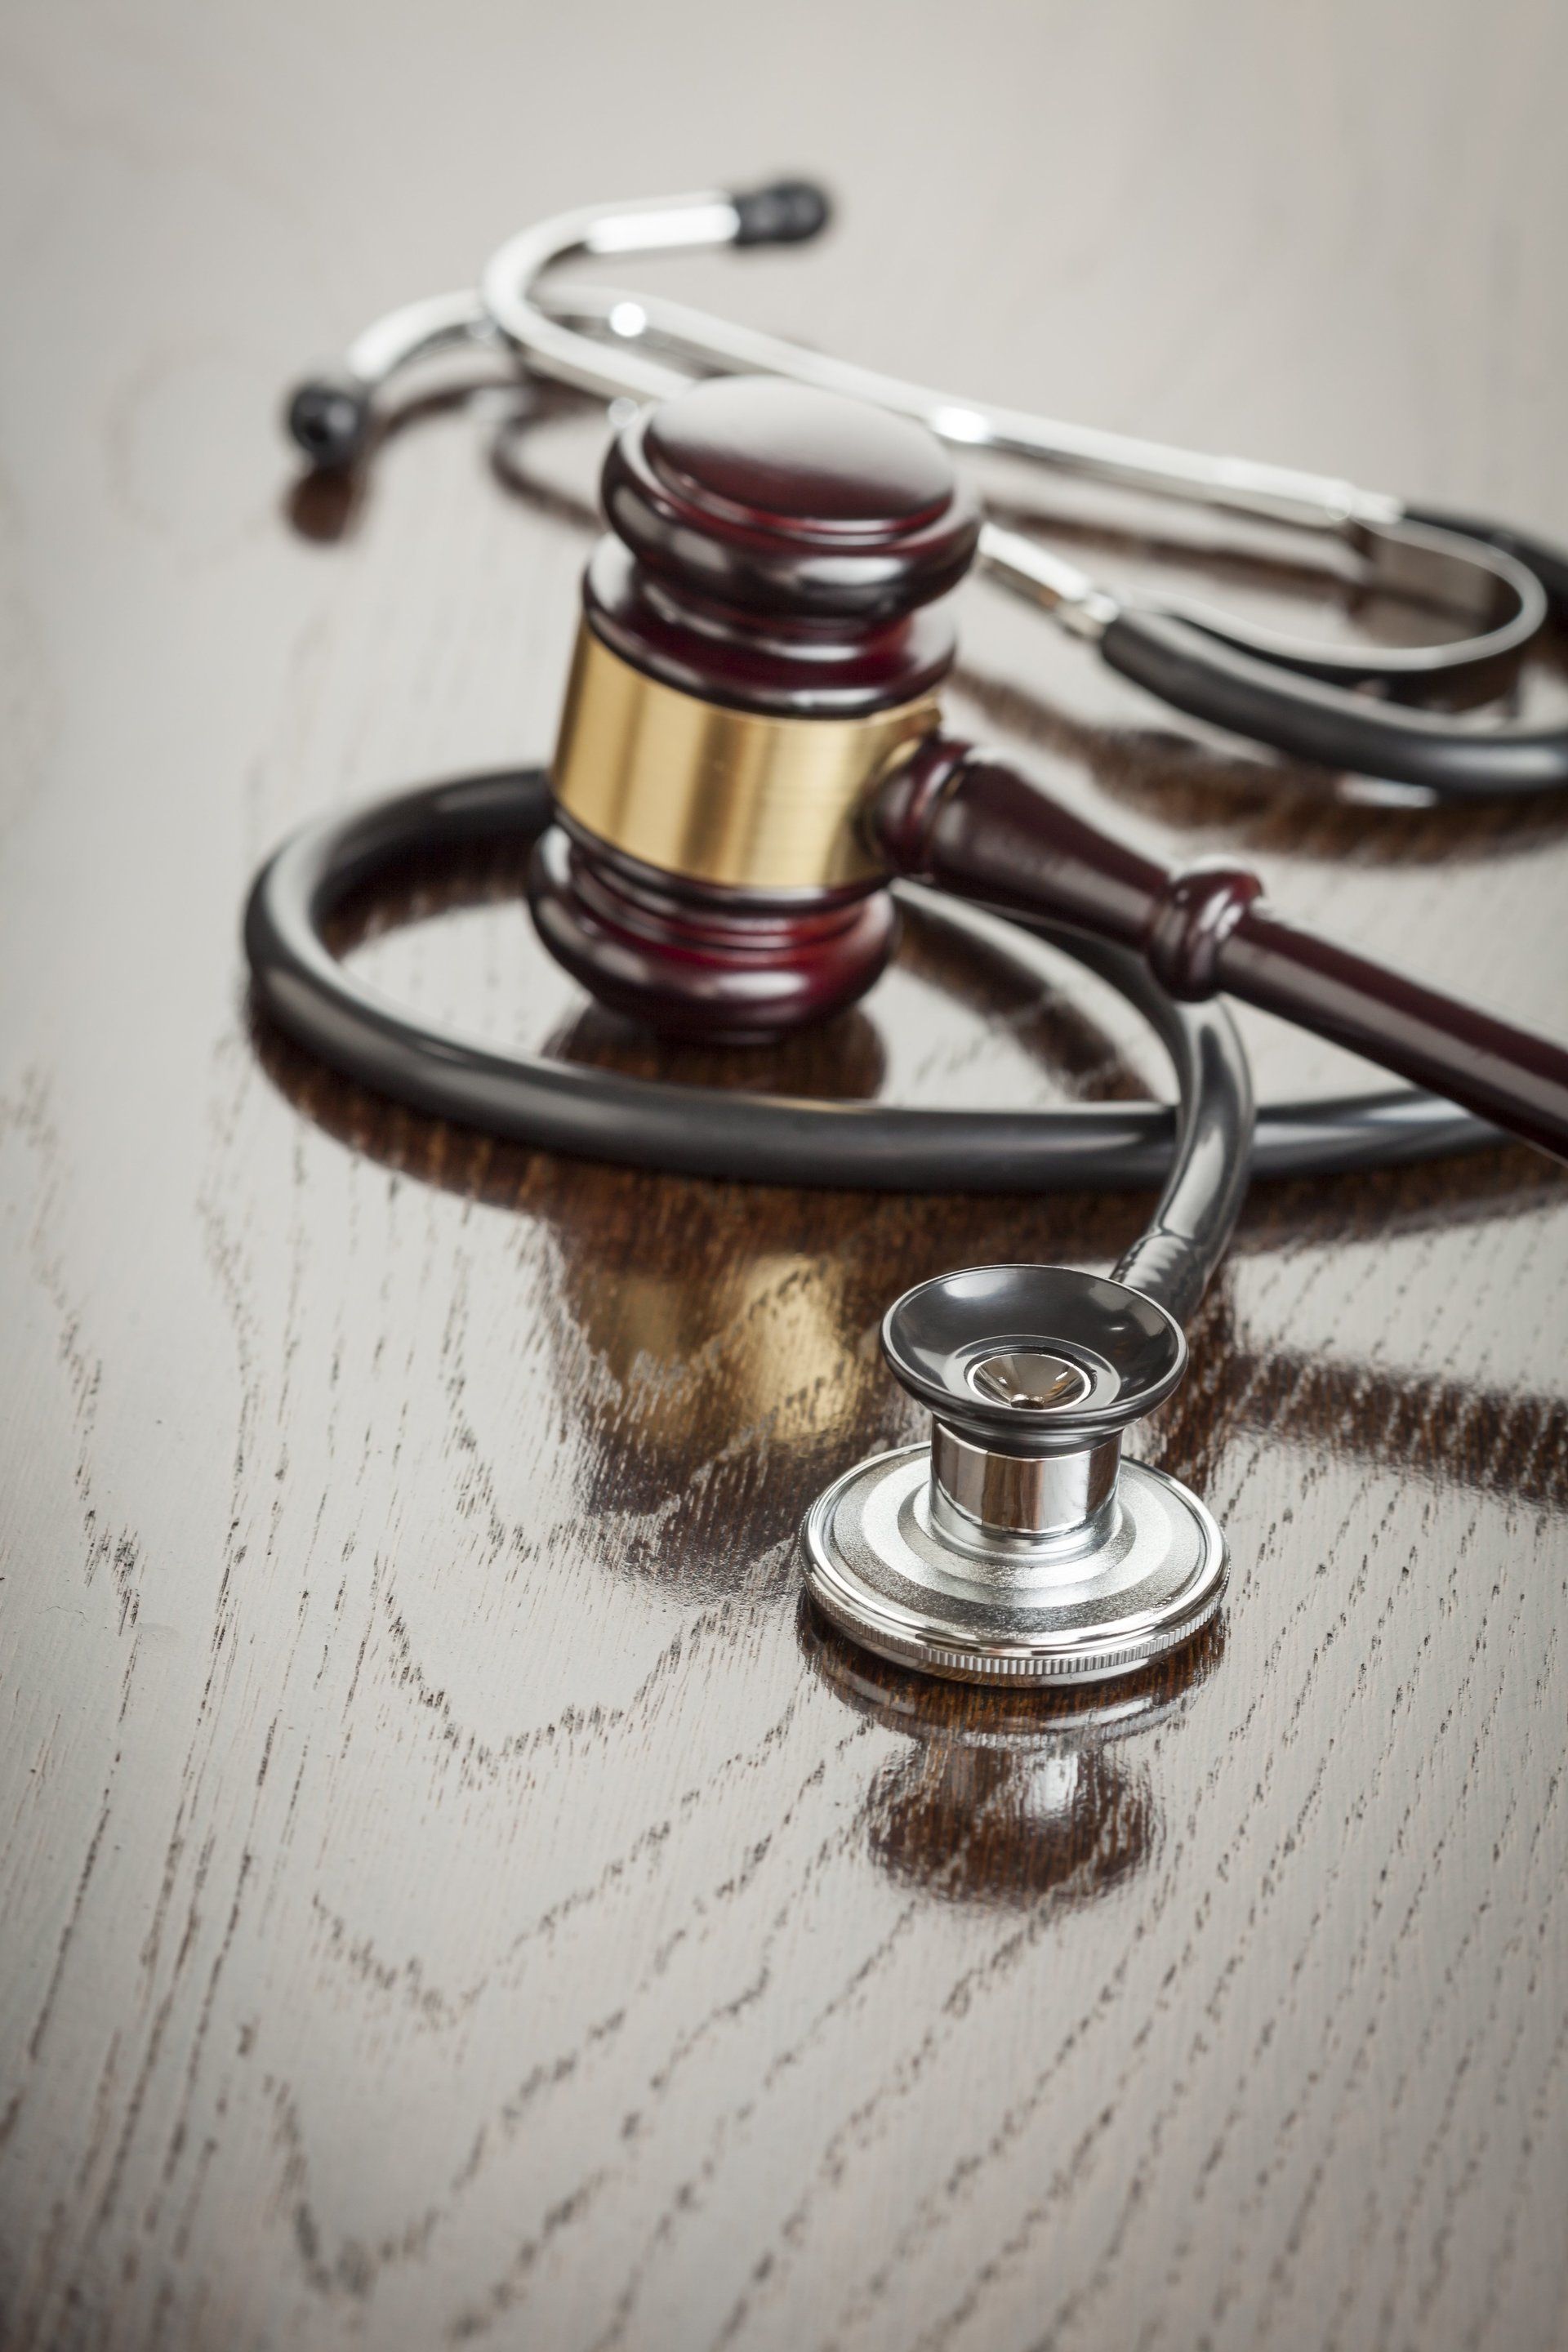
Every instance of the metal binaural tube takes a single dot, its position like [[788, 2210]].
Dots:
[[617, 346], [1277, 493]]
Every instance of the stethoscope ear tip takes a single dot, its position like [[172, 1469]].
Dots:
[[328, 419], [786, 212]]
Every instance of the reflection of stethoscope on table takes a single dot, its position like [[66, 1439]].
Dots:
[[752, 749], [995, 1800]]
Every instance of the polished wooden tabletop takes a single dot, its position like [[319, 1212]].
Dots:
[[450, 1887]]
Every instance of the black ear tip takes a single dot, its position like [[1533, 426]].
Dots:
[[328, 419], [786, 211]]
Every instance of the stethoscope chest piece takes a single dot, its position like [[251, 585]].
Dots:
[[1017, 1546]]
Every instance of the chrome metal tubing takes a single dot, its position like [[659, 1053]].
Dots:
[[1496, 586], [602, 340], [1501, 602]]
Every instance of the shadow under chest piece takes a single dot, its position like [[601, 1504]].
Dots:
[[750, 747]]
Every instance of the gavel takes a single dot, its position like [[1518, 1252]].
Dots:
[[752, 749]]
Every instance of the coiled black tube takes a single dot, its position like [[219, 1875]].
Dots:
[[1199, 1151]]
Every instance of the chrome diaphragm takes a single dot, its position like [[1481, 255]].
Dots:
[[1017, 1544]]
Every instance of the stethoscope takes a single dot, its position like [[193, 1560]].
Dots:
[[1019, 1544], [1293, 694]]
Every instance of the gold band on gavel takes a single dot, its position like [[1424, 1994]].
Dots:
[[720, 795]]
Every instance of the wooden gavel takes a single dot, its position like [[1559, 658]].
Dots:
[[751, 749]]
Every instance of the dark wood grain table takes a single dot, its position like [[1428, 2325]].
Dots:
[[450, 1888]]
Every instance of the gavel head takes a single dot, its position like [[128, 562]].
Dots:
[[761, 639]]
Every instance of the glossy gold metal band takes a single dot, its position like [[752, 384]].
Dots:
[[720, 795]]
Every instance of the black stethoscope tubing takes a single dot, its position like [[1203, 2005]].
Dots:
[[1203, 1152], [1183, 665]]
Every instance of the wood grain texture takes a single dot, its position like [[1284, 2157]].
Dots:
[[449, 1890]]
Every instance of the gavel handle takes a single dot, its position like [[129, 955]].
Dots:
[[969, 823]]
